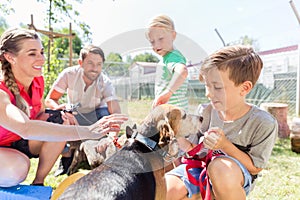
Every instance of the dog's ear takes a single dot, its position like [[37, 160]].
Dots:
[[134, 126], [165, 131], [174, 116], [129, 131]]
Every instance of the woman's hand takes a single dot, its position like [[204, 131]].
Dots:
[[43, 116], [110, 123]]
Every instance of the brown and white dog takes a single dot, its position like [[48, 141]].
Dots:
[[137, 170], [86, 155]]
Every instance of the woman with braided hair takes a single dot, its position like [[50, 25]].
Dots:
[[24, 132]]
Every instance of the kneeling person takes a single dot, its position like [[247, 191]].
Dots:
[[86, 86]]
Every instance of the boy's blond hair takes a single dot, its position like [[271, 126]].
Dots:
[[162, 21], [241, 61]]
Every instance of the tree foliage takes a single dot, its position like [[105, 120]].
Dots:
[[114, 65], [3, 25], [145, 57], [56, 13], [55, 67], [58, 8], [246, 40], [5, 8], [114, 57], [59, 56], [63, 43], [58, 48]]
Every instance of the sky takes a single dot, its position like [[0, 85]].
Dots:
[[272, 23]]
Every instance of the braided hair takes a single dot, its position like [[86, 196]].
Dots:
[[10, 42]]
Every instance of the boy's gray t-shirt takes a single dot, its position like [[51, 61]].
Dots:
[[255, 133]]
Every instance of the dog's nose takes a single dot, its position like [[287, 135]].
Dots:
[[200, 118]]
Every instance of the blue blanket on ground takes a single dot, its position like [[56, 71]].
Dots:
[[25, 192]]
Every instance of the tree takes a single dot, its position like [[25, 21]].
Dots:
[[57, 47], [54, 12], [114, 65], [3, 25], [57, 9], [246, 40], [145, 57], [63, 43], [59, 56], [114, 57], [250, 41], [4, 7], [61, 7]]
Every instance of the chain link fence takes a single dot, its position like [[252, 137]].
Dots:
[[142, 87]]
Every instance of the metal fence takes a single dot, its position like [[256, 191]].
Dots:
[[283, 91]]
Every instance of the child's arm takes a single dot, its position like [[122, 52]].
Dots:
[[184, 144], [215, 139], [179, 76]]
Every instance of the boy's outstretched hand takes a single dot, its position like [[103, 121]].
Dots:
[[162, 98]]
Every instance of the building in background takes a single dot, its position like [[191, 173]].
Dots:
[[278, 61]]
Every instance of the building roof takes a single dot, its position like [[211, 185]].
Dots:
[[144, 64], [149, 67], [279, 50]]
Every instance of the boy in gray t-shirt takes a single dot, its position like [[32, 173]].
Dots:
[[241, 133]]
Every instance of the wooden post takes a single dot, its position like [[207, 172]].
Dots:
[[279, 111], [50, 40], [52, 35], [70, 46], [295, 135], [298, 70]]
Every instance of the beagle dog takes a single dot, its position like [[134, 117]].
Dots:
[[136, 171]]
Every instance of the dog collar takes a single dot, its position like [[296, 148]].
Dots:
[[151, 144], [145, 140]]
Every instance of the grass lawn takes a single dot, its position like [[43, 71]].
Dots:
[[279, 181]]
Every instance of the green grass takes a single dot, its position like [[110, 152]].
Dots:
[[279, 181]]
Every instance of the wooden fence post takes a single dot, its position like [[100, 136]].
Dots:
[[279, 111]]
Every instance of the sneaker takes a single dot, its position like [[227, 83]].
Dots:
[[63, 166]]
